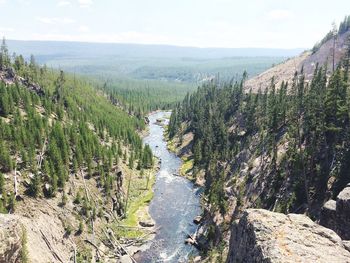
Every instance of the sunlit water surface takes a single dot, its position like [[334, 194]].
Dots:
[[175, 203]]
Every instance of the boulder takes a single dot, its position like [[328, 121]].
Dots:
[[264, 236], [328, 216], [147, 120], [146, 223], [197, 259], [190, 241], [197, 220], [336, 214], [343, 213], [11, 235]]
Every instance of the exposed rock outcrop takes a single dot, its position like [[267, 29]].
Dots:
[[264, 236], [336, 214], [9, 77], [11, 234], [306, 61]]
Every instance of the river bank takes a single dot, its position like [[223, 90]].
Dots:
[[209, 219], [174, 205], [182, 149]]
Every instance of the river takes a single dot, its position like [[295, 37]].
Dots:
[[174, 205]]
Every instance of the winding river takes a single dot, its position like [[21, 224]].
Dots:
[[175, 203]]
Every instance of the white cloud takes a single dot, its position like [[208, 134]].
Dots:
[[56, 20], [2, 2], [85, 3], [279, 14], [64, 3], [84, 29]]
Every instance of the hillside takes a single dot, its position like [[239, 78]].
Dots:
[[72, 168], [283, 148], [308, 60]]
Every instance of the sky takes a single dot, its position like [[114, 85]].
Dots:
[[199, 23]]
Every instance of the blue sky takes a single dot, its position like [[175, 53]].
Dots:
[[202, 23]]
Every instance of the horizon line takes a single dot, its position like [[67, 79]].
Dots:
[[153, 44]]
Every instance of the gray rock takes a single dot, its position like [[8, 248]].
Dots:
[[197, 220], [346, 245], [146, 223], [343, 213], [264, 236], [10, 239], [336, 214], [328, 217]]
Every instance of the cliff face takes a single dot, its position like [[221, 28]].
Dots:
[[336, 214], [264, 236]]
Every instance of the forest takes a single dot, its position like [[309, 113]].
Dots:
[[174, 131], [61, 129], [140, 97], [295, 137]]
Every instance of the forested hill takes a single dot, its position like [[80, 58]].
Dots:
[[66, 157], [284, 148]]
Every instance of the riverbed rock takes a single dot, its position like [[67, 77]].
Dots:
[[11, 234], [190, 241], [264, 236], [125, 259], [147, 120], [146, 223], [197, 259], [336, 214], [197, 220]]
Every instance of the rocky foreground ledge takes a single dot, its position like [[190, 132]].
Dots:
[[264, 236]]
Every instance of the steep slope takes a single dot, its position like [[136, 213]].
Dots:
[[322, 56], [72, 166], [283, 148]]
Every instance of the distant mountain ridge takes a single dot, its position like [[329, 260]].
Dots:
[[55, 48], [151, 62]]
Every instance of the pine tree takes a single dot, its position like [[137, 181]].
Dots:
[[35, 185], [4, 55]]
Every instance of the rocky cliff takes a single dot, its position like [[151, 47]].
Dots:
[[264, 236], [336, 214]]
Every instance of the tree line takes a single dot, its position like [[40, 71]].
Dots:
[[300, 130]]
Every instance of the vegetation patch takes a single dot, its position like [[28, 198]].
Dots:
[[187, 167], [140, 195]]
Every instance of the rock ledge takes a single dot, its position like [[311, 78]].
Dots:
[[264, 236]]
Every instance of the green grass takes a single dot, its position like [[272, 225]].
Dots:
[[186, 166], [139, 198], [132, 219], [171, 145]]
